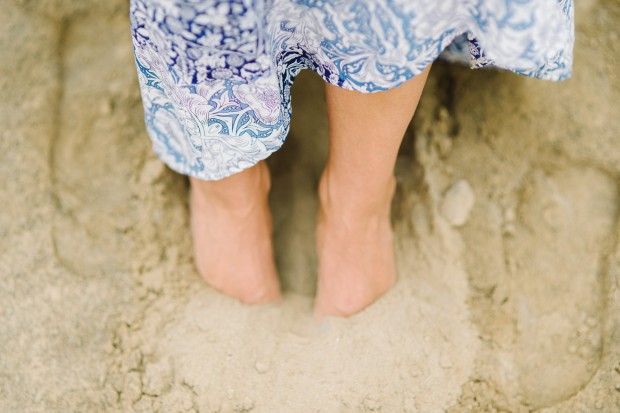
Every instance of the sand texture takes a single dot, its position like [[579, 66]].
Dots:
[[507, 236]]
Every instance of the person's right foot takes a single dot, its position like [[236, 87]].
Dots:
[[232, 233]]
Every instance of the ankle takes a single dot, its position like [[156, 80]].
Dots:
[[238, 192], [341, 196]]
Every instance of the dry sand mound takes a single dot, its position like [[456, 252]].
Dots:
[[506, 218]]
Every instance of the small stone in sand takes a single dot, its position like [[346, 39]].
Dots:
[[458, 202], [261, 367]]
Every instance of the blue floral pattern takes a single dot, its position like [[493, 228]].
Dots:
[[216, 75]]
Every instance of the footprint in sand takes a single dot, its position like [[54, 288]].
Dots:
[[562, 230], [98, 146]]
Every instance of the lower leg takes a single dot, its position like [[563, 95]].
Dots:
[[231, 229], [354, 235]]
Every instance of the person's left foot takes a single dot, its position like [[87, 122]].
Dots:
[[355, 251]]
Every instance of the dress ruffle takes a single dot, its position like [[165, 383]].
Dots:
[[216, 75]]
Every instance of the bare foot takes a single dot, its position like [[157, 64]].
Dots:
[[354, 246], [232, 232]]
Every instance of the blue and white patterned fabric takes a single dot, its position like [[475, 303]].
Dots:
[[216, 75]]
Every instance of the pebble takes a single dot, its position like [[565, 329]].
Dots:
[[458, 202], [261, 367], [509, 229]]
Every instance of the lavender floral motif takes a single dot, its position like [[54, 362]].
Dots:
[[216, 75]]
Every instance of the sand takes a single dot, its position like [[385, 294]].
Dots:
[[507, 236]]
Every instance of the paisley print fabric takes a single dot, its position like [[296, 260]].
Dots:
[[216, 75]]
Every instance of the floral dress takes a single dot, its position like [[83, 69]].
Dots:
[[216, 75]]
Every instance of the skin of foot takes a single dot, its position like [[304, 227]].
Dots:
[[353, 234], [354, 242], [231, 228]]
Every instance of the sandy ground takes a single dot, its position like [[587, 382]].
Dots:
[[506, 216]]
